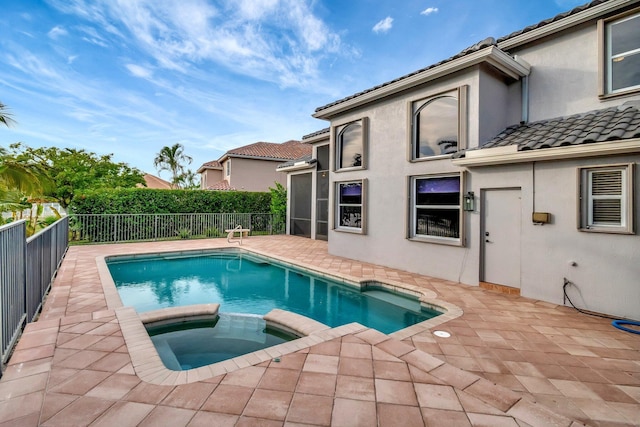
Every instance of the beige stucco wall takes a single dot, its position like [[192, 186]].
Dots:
[[607, 270], [563, 81], [564, 76], [387, 173], [209, 177], [255, 175]]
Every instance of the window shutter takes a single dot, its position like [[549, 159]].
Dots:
[[606, 191]]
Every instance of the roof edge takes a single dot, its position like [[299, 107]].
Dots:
[[491, 54], [607, 148], [564, 23]]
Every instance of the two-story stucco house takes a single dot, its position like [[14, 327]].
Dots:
[[251, 167], [511, 165]]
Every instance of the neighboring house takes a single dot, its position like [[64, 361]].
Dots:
[[211, 175], [251, 167], [153, 181], [511, 165]]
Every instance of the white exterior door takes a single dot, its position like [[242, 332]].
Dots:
[[501, 216]]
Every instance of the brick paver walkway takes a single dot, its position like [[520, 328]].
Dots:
[[510, 361]]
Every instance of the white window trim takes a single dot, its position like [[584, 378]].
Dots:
[[411, 235], [585, 200], [338, 146], [461, 93], [605, 59], [363, 215]]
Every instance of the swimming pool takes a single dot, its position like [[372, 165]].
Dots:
[[245, 283], [194, 343]]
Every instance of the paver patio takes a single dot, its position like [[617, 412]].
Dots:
[[510, 361]]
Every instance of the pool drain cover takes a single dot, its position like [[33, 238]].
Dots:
[[442, 334]]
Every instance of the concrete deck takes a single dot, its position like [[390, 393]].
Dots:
[[510, 361]]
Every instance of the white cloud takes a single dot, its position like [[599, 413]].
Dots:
[[279, 41], [383, 26], [428, 11], [71, 58], [56, 32], [139, 71]]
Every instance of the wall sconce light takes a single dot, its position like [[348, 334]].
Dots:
[[468, 203]]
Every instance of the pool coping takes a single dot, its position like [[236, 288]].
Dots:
[[150, 368]]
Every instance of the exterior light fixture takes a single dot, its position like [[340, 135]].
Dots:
[[468, 203]]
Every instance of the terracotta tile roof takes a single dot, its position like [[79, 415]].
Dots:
[[489, 41], [268, 150], [155, 182], [609, 124], [221, 186], [213, 164]]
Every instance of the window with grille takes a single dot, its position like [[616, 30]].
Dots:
[[349, 212], [435, 210], [606, 202]]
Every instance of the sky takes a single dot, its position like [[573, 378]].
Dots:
[[128, 77]]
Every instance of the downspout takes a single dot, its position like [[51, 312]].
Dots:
[[524, 86]]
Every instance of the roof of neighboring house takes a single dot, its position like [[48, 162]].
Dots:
[[289, 150], [213, 164], [155, 182], [609, 124], [220, 185], [268, 150], [489, 41]]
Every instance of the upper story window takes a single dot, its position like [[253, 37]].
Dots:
[[228, 167], [622, 54], [606, 202], [438, 125], [350, 145]]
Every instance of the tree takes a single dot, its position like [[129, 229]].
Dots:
[[21, 184], [5, 116], [172, 159], [279, 204], [72, 170], [189, 180]]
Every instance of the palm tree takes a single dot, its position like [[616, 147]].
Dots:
[[172, 159], [5, 117], [189, 180], [18, 180]]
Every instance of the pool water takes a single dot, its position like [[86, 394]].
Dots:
[[196, 343], [245, 283]]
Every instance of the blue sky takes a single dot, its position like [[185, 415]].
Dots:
[[130, 76]]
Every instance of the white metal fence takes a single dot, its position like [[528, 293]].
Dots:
[[114, 228], [27, 269]]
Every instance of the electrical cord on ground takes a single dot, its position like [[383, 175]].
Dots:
[[616, 322]]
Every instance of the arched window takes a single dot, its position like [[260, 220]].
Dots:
[[435, 126], [350, 145]]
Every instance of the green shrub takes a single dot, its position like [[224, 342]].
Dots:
[[150, 201], [184, 233]]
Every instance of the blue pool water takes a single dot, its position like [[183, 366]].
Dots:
[[195, 343], [245, 283]]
